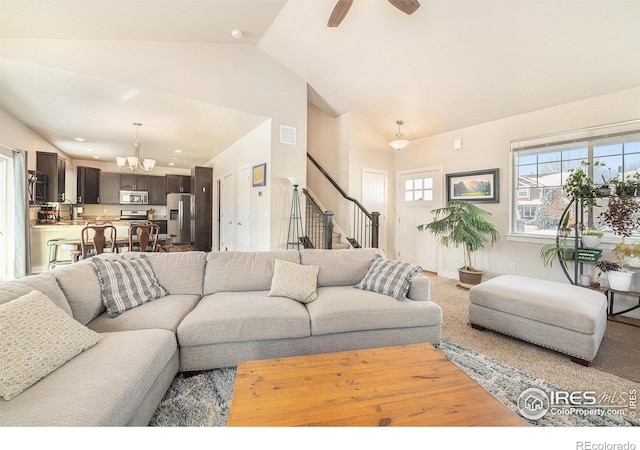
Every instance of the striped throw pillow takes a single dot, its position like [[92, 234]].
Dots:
[[126, 283], [389, 277]]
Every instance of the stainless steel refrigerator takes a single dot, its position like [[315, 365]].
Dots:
[[179, 218]]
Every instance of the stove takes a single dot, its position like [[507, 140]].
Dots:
[[132, 214]]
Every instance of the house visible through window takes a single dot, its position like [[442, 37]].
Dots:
[[541, 169]]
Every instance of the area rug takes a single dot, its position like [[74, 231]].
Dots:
[[203, 400]]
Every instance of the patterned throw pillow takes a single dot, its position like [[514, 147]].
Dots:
[[36, 337], [126, 283], [389, 277], [295, 281]]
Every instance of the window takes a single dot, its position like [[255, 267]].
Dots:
[[541, 169], [6, 260], [418, 189]]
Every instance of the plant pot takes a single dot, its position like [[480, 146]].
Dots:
[[469, 278], [603, 192], [634, 261], [585, 280], [620, 280], [591, 241]]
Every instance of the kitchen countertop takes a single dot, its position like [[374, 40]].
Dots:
[[75, 223]]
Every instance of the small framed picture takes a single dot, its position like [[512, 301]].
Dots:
[[480, 186], [259, 175]]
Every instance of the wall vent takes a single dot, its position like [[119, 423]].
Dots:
[[287, 135]]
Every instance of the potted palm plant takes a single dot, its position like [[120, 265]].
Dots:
[[462, 224]]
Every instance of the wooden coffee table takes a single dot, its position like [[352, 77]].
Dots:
[[410, 385]]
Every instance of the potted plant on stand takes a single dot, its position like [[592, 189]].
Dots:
[[463, 224], [591, 237], [604, 267]]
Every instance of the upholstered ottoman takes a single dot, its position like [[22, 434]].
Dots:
[[563, 317]]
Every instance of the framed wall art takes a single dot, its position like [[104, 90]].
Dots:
[[259, 177], [480, 186]]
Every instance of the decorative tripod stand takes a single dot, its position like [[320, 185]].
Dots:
[[295, 222]]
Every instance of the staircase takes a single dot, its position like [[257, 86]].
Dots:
[[319, 223]]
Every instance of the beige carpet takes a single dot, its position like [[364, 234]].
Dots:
[[537, 361]]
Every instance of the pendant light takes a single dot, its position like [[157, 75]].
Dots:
[[399, 143], [134, 161]]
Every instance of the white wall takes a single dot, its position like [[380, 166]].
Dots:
[[487, 146], [251, 150], [15, 134]]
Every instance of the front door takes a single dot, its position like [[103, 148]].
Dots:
[[419, 192]]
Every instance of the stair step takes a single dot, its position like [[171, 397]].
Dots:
[[340, 245]]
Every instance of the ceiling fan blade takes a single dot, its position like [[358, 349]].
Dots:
[[406, 6], [339, 11]]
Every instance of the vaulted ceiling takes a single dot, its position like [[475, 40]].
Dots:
[[451, 64]]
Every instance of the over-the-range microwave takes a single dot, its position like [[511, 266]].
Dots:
[[134, 198]]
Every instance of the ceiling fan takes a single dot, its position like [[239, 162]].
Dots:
[[342, 8]]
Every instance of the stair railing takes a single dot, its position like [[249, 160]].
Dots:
[[365, 224], [318, 224]]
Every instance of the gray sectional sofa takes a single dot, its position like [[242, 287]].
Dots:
[[217, 313]]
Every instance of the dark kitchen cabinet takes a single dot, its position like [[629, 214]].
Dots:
[[202, 196], [132, 182], [88, 184], [157, 190], [109, 188], [53, 166], [178, 183]]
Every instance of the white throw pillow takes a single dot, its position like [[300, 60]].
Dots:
[[295, 281], [36, 337]]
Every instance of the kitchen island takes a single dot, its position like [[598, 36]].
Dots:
[[65, 229]]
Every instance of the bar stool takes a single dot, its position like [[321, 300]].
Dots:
[[53, 254]]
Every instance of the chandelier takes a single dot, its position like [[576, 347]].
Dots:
[[399, 143], [134, 161]]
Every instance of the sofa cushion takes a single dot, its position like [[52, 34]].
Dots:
[[389, 277], [341, 309], [126, 283], [243, 316], [295, 281], [81, 287], [103, 386], [36, 337], [44, 283], [189, 266], [340, 267], [243, 271], [165, 313]]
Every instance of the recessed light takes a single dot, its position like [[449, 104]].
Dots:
[[89, 149], [171, 164], [79, 139], [236, 34], [96, 157], [178, 150]]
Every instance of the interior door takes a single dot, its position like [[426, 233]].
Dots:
[[243, 217], [418, 193], [228, 213], [374, 198]]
